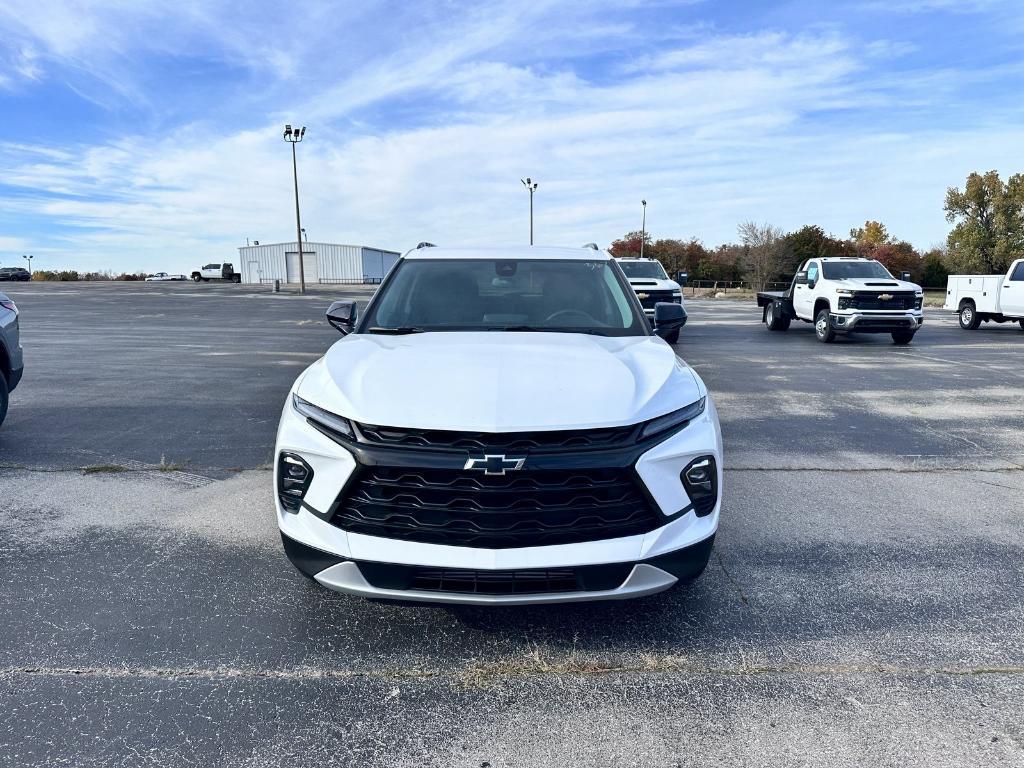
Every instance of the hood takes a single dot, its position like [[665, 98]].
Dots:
[[500, 381], [653, 283], [880, 284]]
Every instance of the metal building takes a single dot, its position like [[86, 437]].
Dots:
[[322, 262]]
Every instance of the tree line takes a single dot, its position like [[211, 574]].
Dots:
[[988, 234]]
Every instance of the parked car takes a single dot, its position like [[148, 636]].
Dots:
[[844, 294], [11, 361], [983, 298], [163, 277], [500, 426], [15, 273], [652, 285], [218, 271]]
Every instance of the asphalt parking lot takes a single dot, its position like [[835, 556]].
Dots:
[[865, 604]]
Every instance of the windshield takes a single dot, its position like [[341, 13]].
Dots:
[[505, 295], [838, 270], [652, 269]]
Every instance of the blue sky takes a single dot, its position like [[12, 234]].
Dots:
[[145, 135]]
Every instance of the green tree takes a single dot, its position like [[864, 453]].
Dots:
[[810, 242], [933, 269], [988, 219]]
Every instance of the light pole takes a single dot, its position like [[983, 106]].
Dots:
[[643, 228], [531, 187], [293, 137], [29, 257]]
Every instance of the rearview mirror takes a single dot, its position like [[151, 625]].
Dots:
[[342, 316], [681, 278], [668, 318]]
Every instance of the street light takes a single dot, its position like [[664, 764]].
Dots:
[[305, 237], [531, 187], [293, 137], [29, 257], [643, 229]]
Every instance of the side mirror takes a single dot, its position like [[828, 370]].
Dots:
[[801, 278], [668, 318], [812, 283], [681, 278], [342, 316], [905, 277]]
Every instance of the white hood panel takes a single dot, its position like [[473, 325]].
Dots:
[[500, 381]]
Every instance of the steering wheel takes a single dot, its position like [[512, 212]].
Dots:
[[579, 313]]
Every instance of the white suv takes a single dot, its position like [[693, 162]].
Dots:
[[500, 426]]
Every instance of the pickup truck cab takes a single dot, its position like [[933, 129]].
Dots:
[[842, 295], [983, 298], [652, 285], [217, 271], [500, 426]]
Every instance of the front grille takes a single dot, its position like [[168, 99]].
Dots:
[[869, 300], [650, 298], [507, 442], [534, 581], [527, 508]]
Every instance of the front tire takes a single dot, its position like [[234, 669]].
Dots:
[[902, 337], [196, 278], [969, 318], [823, 327], [1021, 323], [5, 398], [774, 319]]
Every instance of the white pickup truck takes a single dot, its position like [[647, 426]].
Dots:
[[218, 271], [844, 294], [981, 298]]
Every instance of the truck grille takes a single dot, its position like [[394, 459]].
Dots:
[[870, 300], [531, 507], [650, 298]]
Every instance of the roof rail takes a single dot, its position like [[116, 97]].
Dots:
[[425, 245], [591, 246]]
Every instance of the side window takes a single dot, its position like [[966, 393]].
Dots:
[[812, 272], [1018, 272]]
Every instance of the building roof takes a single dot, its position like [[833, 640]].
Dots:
[[512, 252]]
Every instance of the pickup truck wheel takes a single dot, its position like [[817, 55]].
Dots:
[[4, 398], [969, 318], [196, 278], [774, 319], [823, 327], [902, 337], [1021, 323]]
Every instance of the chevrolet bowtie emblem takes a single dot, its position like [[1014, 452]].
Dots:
[[495, 465], [884, 296]]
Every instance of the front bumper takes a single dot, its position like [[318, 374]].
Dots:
[[615, 581], [876, 322], [658, 471]]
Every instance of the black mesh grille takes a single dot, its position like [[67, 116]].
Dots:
[[507, 442], [534, 581], [525, 508], [871, 300]]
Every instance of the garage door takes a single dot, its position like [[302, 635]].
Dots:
[[291, 263]]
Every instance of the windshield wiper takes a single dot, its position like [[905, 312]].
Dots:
[[398, 331], [535, 329]]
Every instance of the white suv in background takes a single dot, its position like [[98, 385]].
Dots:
[[500, 426]]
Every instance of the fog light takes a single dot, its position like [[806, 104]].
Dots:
[[700, 479], [294, 476]]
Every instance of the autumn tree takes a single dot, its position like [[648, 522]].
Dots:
[[870, 236], [898, 257], [988, 218], [629, 246], [810, 242], [764, 250]]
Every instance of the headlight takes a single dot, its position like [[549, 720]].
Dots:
[[675, 419], [321, 418], [844, 292]]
